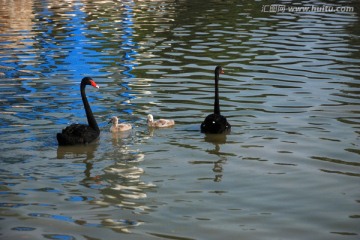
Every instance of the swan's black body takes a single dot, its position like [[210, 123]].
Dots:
[[215, 122], [81, 133]]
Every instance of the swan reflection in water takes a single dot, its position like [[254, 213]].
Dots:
[[84, 153], [125, 187], [118, 183], [217, 140]]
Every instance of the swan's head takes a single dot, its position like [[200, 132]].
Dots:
[[89, 81], [113, 120], [150, 118], [219, 69]]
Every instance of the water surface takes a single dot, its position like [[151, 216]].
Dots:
[[288, 170]]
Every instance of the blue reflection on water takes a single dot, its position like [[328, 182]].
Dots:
[[59, 236], [80, 57], [62, 218], [56, 217], [69, 48], [79, 199], [129, 46]]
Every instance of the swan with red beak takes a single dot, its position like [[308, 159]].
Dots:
[[81, 133]]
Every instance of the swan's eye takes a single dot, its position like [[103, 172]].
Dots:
[[213, 122]]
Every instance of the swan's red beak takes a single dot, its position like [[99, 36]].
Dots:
[[93, 83], [222, 71]]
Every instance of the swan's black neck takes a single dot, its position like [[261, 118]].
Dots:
[[89, 115], [216, 102]]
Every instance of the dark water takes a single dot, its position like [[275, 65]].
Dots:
[[289, 169]]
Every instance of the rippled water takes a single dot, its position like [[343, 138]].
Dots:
[[288, 170]]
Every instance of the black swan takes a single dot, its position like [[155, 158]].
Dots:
[[215, 122], [81, 133]]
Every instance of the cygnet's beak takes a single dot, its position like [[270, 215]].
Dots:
[[110, 121]]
